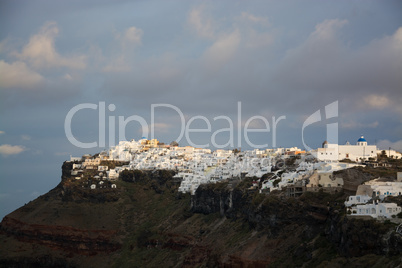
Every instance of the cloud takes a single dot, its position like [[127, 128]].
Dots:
[[327, 30], [386, 144], [203, 26], [2, 132], [68, 77], [376, 101], [133, 35], [37, 152], [41, 51], [378, 65], [255, 19], [222, 50], [117, 65], [256, 39], [7, 149], [18, 74], [242, 25], [120, 62], [6, 46], [316, 62], [324, 67], [358, 125], [229, 64], [25, 137]]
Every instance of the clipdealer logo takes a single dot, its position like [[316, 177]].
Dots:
[[148, 130], [242, 129], [331, 111]]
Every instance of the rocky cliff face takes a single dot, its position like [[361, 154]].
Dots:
[[353, 177], [79, 241], [146, 223], [208, 200], [355, 238], [308, 217]]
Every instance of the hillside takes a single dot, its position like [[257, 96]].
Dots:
[[147, 223]]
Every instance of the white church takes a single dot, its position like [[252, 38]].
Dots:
[[334, 152]]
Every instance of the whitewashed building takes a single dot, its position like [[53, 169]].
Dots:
[[112, 174], [376, 210], [357, 200], [334, 152]]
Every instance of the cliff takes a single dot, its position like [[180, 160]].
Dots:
[[145, 222], [353, 177], [313, 226]]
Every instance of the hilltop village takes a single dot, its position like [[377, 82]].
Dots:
[[292, 170]]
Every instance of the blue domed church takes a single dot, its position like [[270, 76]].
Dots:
[[334, 152], [361, 141]]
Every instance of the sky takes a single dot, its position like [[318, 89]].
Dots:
[[130, 69]]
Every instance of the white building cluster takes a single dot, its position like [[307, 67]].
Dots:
[[367, 201], [196, 166]]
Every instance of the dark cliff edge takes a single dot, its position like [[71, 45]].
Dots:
[[316, 219], [145, 222]]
